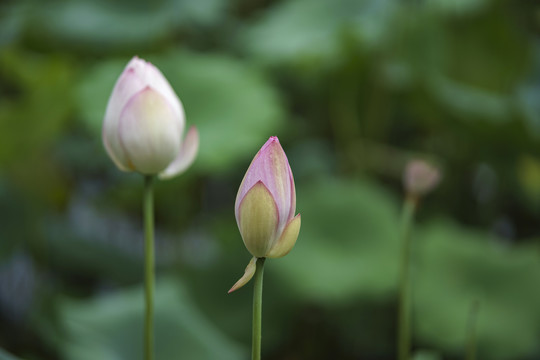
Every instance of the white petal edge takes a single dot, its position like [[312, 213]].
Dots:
[[248, 274], [127, 85], [186, 156], [115, 158], [155, 78]]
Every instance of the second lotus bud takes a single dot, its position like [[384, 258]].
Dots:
[[265, 207], [266, 203]]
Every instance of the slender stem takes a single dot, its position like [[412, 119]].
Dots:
[[404, 311], [471, 331], [148, 210], [257, 310]]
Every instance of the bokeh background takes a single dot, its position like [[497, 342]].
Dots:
[[353, 89]]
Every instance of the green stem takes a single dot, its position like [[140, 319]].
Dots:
[[257, 310], [471, 331], [404, 310], [148, 210]]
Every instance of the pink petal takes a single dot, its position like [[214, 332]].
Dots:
[[186, 155], [271, 167]]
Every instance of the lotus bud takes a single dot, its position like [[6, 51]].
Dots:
[[420, 178], [265, 207], [144, 123]]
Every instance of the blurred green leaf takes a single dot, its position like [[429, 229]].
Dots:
[[469, 102], [37, 103], [103, 26], [6, 356], [11, 22], [298, 30], [528, 174], [426, 355], [35, 106], [348, 244], [110, 327], [97, 257], [529, 106], [454, 267], [456, 7], [18, 220]]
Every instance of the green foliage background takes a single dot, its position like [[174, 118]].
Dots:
[[353, 89]]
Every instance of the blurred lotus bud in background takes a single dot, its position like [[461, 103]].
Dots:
[[420, 178]]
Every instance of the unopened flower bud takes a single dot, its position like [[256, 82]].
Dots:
[[144, 123], [420, 178], [265, 207]]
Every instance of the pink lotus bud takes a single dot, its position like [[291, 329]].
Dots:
[[265, 207], [420, 177], [144, 123]]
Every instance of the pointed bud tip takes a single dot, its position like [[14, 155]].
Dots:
[[271, 141]]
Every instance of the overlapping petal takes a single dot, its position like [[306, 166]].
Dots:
[[149, 145], [126, 86], [286, 241], [185, 157], [258, 218]]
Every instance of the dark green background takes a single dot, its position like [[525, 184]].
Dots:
[[353, 89]]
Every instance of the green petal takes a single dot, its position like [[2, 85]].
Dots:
[[287, 240], [258, 219], [248, 274]]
